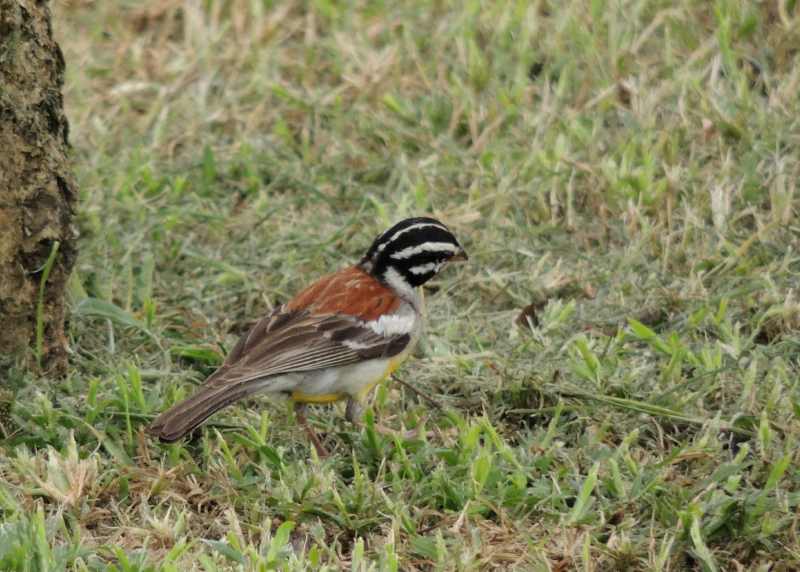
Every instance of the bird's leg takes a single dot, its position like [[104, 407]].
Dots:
[[300, 413]]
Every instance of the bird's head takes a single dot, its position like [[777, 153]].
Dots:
[[411, 252]]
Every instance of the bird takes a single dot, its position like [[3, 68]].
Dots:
[[336, 339]]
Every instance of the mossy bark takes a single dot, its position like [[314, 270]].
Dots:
[[37, 189]]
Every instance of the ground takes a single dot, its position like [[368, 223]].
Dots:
[[615, 371]]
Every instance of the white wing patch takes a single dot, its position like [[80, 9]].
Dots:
[[394, 324], [424, 247], [355, 345]]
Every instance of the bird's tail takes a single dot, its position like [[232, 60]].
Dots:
[[184, 417]]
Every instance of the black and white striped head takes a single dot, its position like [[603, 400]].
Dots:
[[411, 252]]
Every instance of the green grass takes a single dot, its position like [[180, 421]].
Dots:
[[616, 368]]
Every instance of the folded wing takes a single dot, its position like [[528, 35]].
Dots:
[[286, 341]]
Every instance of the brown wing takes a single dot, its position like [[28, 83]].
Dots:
[[323, 326], [289, 341]]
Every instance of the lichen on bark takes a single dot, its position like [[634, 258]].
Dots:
[[38, 193]]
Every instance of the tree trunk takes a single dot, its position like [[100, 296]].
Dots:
[[37, 190]]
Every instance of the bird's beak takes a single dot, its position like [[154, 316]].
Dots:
[[460, 257]]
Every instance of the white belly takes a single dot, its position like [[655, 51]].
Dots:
[[349, 380]]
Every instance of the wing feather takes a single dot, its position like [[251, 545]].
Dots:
[[294, 341]]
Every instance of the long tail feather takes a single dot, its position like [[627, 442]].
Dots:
[[187, 415]]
